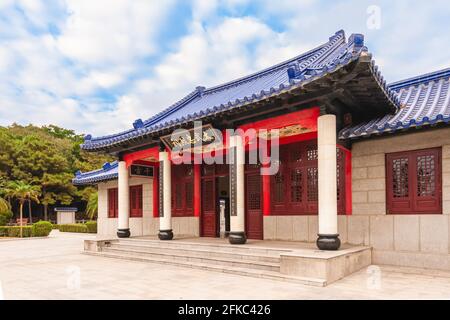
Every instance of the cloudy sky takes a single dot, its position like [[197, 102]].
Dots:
[[96, 66]]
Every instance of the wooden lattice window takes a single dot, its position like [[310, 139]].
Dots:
[[278, 186], [254, 192], [400, 186], [136, 201], [294, 189], [414, 182], [426, 176], [189, 188], [313, 184], [113, 201], [296, 185], [312, 152]]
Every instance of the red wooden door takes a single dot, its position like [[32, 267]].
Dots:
[[136, 201], [253, 205], [209, 210], [113, 203]]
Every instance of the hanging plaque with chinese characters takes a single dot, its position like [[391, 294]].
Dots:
[[195, 140], [141, 171]]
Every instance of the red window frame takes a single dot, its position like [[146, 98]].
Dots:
[[136, 201], [298, 179], [182, 190], [414, 182], [113, 201]]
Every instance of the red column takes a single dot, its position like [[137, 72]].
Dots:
[[197, 190], [156, 191], [266, 192]]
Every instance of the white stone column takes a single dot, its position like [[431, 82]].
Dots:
[[237, 191], [123, 230], [165, 194], [328, 221]]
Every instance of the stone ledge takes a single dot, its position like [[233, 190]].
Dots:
[[327, 265], [434, 261]]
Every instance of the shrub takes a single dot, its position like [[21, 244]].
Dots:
[[5, 216], [42, 229], [91, 226], [79, 228], [14, 232]]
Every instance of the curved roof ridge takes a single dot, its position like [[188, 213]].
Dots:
[[108, 166], [200, 91], [425, 101], [109, 171], [174, 107], [293, 73], [339, 35], [420, 79]]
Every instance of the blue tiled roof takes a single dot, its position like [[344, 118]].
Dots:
[[109, 171], [283, 77], [425, 100]]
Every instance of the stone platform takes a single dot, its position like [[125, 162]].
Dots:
[[287, 261]]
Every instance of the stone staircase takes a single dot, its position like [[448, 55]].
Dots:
[[250, 261]]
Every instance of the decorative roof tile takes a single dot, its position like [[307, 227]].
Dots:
[[424, 101], [294, 73], [109, 171]]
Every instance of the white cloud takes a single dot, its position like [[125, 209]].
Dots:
[[202, 9], [47, 78], [106, 66], [111, 32]]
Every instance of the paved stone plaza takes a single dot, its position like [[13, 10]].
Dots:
[[54, 268]]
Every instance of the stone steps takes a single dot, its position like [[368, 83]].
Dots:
[[192, 256], [222, 247], [289, 263], [243, 271], [197, 252]]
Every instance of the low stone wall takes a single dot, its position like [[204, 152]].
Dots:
[[407, 240]]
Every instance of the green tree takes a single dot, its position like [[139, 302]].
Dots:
[[92, 206], [4, 205], [5, 212], [23, 192], [46, 157], [55, 188]]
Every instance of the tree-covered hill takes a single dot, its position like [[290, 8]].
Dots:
[[46, 157]]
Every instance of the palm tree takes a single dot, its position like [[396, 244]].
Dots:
[[92, 205], [4, 205], [5, 212], [23, 192]]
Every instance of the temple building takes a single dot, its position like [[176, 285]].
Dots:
[[359, 162]]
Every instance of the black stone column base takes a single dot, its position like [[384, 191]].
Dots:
[[123, 233], [237, 238], [165, 234], [328, 242]]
